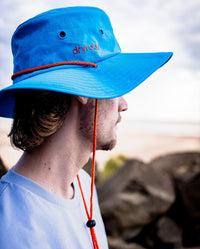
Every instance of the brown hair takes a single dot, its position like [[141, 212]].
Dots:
[[37, 115]]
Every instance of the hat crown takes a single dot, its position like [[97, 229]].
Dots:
[[65, 34]]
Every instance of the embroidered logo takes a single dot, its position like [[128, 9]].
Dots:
[[77, 50]]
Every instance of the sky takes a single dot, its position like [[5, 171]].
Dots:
[[172, 94]]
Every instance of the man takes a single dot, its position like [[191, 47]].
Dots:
[[66, 98]]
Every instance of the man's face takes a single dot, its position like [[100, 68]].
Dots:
[[107, 119]]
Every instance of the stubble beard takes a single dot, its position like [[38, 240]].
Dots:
[[107, 146], [86, 130], [102, 143]]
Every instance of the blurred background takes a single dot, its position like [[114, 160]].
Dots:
[[164, 112]]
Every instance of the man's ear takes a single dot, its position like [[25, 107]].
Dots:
[[82, 100]]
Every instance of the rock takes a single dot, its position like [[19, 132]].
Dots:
[[189, 191], [133, 197], [116, 243], [196, 247], [178, 163], [184, 169], [169, 232], [155, 205]]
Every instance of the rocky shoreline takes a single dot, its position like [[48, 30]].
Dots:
[[154, 205]]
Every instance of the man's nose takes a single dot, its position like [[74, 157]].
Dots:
[[123, 106]]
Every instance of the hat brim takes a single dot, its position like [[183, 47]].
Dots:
[[113, 77]]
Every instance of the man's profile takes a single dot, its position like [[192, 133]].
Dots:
[[66, 98]]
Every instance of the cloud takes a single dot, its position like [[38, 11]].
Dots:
[[189, 32]]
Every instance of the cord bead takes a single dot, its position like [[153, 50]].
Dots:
[[91, 223]]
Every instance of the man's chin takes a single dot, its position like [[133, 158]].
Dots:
[[107, 146]]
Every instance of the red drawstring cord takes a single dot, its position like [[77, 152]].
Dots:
[[30, 70], [92, 231], [90, 216]]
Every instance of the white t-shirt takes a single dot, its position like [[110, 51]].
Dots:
[[32, 217]]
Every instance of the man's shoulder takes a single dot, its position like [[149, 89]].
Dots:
[[3, 186]]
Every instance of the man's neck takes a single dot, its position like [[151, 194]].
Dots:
[[56, 162]]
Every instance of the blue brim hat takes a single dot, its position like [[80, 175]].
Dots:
[[73, 50]]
